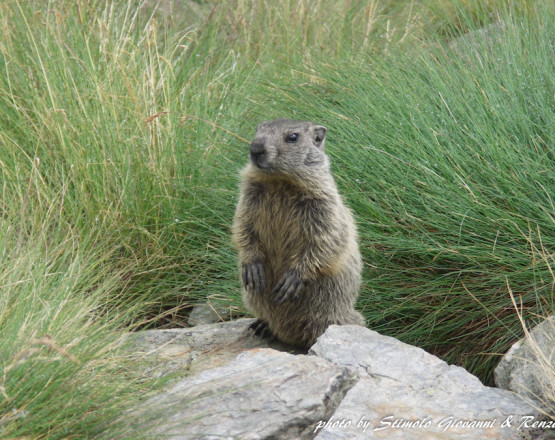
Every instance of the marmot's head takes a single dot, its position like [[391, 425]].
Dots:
[[285, 146]]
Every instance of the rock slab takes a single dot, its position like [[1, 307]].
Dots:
[[262, 394], [407, 393]]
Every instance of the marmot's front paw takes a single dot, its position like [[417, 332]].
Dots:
[[254, 279], [288, 287]]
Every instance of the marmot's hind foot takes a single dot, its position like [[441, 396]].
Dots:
[[262, 329]]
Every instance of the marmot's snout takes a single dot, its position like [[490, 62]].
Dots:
[[259, 155]]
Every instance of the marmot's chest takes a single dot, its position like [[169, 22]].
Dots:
[[279, 219], [280, 214]]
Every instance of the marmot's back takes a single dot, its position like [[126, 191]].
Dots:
[[297, 242]]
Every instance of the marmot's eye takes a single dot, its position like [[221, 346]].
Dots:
[[292, 138]]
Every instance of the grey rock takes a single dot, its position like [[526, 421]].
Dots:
[[528, 368], [353, 382], [261, 394], [406, 393], [480, 41], [190, 350], [205, 313]]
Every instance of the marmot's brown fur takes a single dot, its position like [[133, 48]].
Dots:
[[298, 255]]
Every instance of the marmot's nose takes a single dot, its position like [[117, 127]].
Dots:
[[257, 150]]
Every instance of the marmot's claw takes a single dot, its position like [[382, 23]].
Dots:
[[288, 288], [261, 278], [257, 326], [254, 279]]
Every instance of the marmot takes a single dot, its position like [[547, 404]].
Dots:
[[299, 260]]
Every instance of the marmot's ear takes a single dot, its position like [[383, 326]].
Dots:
[[320, 135]]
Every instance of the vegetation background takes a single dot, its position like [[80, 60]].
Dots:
[[125, 123]]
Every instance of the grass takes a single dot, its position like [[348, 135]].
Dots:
[[59, 353], [124, 127]]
